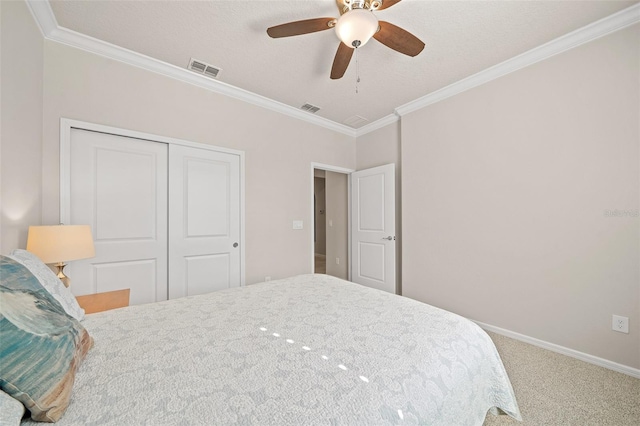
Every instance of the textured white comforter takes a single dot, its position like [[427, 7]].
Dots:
[[311, 349]]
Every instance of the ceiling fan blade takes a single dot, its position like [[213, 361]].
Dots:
[[386, 4], [398, 39], [341, 61], [300, 27], [341, 6]]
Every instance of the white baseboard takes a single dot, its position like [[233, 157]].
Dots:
[[591, 359]]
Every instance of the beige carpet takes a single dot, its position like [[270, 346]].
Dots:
[[554, 389]]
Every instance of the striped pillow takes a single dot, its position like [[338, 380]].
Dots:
[[41, 346]]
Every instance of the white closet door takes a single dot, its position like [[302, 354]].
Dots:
[[204, 215], [119, 187]]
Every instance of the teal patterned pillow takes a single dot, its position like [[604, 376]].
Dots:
[[49, 281], [41, 346]]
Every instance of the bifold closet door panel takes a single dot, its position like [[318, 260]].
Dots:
[[119, 186], [204, 221]]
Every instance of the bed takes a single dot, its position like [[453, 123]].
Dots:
[[310, 349]]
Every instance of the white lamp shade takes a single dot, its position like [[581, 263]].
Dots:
[[61, 243], [357, 25]]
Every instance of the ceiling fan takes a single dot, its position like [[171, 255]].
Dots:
[[355, 27]]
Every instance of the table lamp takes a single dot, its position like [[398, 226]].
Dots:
[[61, 243]]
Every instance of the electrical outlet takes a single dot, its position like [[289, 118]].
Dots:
[[337, 260], [297, 224], [267, 279], [620, 324]]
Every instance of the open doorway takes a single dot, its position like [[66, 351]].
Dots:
[[320, 222], [331, 220]]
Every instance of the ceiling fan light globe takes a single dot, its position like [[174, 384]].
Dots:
[[356, 27]]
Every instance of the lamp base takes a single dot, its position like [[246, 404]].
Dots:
[[65, 279]]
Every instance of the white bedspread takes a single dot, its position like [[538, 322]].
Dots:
[[310, 349]]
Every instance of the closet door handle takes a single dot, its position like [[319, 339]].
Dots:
[[235, 245]]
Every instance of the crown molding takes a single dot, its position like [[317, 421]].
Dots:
[[108, 50], [41, 11], [593, 31], [44, 17], [378, 124]]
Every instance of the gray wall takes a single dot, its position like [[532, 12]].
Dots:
[[21, 47], [83, 86], [506, 189]]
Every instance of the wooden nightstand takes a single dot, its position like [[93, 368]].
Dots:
[[92, 303]]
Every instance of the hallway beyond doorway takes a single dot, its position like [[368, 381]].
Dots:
[[321, 263], [330, 198]]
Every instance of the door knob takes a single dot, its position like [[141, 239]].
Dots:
[[390, 238], [235, 245]]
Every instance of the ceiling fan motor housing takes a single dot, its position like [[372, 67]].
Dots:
[[362, 4]]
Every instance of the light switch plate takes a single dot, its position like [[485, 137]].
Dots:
[[297, 224]]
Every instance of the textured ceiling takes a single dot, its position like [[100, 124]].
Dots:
[[462, 38]]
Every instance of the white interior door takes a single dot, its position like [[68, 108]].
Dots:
[[118, 185], [204, 215], [373, 228]]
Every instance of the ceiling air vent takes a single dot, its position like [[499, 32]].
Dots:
[[211, 71], [355, 121], [311, 108], [204, 68]]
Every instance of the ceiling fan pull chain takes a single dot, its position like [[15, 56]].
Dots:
[[357, 71]]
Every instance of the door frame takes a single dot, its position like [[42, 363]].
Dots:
[[67, 124], [335, 169]]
